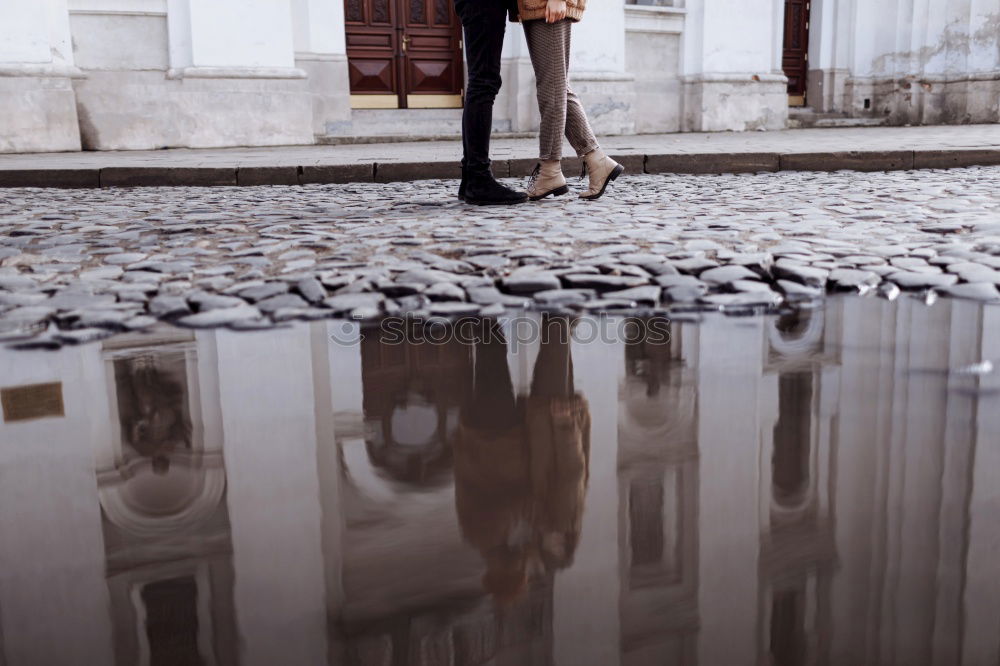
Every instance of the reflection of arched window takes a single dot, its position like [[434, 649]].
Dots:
[[153, 409], [157, 474], [793, 324], [412, 394], [652, 353], [798, 332], [171, 608], [788, 635], [645, 515], [658, 400], [792, 433]]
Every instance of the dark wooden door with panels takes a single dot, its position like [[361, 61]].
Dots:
[[404, 54], [795, 55]]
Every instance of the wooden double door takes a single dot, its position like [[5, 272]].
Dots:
[[795, 56], [404, 54]]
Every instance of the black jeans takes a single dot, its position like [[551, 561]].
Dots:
[[491, 404], [484, 22]]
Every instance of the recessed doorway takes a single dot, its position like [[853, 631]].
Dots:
[[404, 54], [795, 56]]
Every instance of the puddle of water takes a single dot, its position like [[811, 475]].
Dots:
[[742, 491]]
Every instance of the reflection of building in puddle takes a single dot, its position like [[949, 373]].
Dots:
[[464, 631], [413, 588], [166, 528], [658, 502], [820, 488], [798, 550], [412, 394]]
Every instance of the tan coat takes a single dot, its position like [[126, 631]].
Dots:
[[533, 10], [534, 474]]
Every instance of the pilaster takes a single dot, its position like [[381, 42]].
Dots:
[[321, 51], [37, 105], [732, 76], [212, 74]]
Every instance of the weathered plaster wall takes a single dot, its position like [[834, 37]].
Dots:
[[37, 108], [732, 66], [321, 52], [129, 74], [176, 73], [598, 75], [653, 55], [910, 61], [597, 66]]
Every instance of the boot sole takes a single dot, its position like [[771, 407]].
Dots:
[[617, 171], [558, 192]]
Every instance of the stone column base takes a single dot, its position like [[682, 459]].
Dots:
[[37, 109], [516, 106], [194, 108], [825, 90], [926, 100], [609, 99], [737, 102], [330, 85]]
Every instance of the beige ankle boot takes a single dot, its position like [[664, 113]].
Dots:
[[546, 179], [602, 170]]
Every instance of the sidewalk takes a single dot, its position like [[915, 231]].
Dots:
[[863, 149]]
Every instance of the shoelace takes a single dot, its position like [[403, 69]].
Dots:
[[535, 174]]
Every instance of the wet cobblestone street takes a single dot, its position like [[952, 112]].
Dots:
[[78, 265]]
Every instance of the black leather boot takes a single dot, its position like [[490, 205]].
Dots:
[[462, 186], [484, 190]]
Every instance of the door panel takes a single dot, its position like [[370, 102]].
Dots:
[[795, 58], [372, 64], [410, 49]]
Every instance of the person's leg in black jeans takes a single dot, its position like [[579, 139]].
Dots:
[[484, 23], [553, 375], [491, 405]]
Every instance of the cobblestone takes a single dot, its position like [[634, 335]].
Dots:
[[74, 263]]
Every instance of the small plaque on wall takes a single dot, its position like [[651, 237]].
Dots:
[[33, 401]]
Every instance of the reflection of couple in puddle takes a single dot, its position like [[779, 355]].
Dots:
[[521, 463]]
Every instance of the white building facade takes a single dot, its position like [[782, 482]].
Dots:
[[145, 74]]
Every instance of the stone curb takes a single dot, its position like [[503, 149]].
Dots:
[[869, 160], [395, 172], [946, 159], [325, 174], [388, 172], [250, 176], [65, 178], [167, 176], [713, 163]]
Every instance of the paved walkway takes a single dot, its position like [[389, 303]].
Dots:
[[864, 149]]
